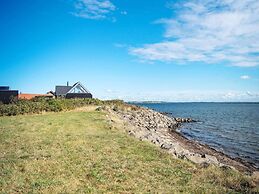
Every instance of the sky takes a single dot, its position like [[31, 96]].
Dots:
[[160, 50]]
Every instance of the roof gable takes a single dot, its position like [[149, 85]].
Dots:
[[78, 88]]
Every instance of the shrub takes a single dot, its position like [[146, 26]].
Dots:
[[38, 105]]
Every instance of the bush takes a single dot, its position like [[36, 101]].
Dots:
[[38, 105]]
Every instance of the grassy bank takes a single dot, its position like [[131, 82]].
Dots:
[[70, 152]]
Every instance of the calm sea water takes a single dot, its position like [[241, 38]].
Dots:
[[229, 127]]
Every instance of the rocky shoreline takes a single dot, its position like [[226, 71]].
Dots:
[[160, 129]]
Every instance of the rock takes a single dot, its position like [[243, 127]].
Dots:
[[178, 149], [189, 120], [99, 108], [212, 159], [131, 133], [152, 141], [183, 120], [166, 146], [197, 159], [255, 177], [178, 119]]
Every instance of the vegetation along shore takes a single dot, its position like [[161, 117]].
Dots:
[[88, 145]]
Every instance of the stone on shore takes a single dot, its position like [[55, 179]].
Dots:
[[255, 177]]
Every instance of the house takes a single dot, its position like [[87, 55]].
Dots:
[[75, 91], [7, 95], [31, 96]]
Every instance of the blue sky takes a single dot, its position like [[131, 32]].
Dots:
[[133, 50]]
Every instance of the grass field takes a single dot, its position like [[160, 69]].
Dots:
[[80, 152]]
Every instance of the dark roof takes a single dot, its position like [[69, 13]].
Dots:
[[62, 90], [4, 88]]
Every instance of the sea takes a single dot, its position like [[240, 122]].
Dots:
[[232, 128]]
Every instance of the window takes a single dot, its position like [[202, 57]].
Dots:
[[78, 89]]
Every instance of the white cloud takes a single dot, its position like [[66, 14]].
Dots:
[[241, 96], [245, 77], [208, 31], [94, 9]]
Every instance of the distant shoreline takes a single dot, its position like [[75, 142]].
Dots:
[[158, 102]]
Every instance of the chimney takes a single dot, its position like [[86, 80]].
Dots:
[[67, 83]]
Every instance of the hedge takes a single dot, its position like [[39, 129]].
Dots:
[[39, 105]]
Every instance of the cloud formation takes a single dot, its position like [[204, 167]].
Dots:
[[245, 77], [94, 9], [209, 31]]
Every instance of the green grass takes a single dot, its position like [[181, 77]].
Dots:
[[80, 152]]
